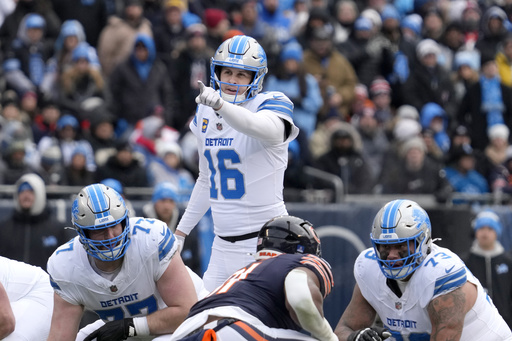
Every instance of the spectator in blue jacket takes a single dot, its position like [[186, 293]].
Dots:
[[434, 117], [461, 173], [301, 87]]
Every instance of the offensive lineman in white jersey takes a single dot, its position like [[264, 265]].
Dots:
[[127, 270], [26, 301], [422, 291], [243, 138]]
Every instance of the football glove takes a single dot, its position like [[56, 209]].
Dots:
[[209, 97], [369, 334], [114, 331]]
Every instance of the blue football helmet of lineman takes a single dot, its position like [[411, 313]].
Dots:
[[241, 52], [98, 207], [401, 221]]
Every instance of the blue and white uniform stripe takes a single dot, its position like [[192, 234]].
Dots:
[[165, 244], [278, 105], [450, 282]]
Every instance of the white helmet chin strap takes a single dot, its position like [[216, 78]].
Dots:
[[238, 97]]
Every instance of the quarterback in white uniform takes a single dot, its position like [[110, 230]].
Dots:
[[133, 278], [243, 138], [419, 290], [26, 302]]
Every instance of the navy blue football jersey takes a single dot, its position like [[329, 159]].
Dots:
[[259, 288]]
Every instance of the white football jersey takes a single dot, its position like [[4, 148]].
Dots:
[[19, 279], [31, 299], [407, 316], [245, 174], [133, 291]]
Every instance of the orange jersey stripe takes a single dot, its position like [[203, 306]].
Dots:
[[324, 271], [250, 331]]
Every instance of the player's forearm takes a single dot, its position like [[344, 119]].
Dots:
[[7, 319], [167, 320], [261, 125], [7, 323], [197, 206], [299, 297]]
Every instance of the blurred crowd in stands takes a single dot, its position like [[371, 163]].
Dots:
[[392, 97]]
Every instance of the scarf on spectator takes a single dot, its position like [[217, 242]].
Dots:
[[492, 102]]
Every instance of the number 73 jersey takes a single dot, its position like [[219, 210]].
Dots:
[[407, 317], [133, 291], [245, 174]]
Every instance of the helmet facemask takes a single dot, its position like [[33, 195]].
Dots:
[[411, 256], [401, 221], [239, 52], [98, 207]]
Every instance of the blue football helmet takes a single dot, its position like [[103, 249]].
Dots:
[[241, 52], [97, 207], [397, 222]]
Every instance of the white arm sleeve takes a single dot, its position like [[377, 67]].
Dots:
[[262, 125], [299, 297], [199, 202]]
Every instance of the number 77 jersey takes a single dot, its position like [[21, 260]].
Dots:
[[244, 174], [133, 292]]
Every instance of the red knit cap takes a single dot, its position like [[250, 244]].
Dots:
[[379, 86], [213, 16]]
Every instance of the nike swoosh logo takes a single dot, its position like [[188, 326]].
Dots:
[[450, 269]]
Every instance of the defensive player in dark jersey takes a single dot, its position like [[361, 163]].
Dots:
[[275, 298]]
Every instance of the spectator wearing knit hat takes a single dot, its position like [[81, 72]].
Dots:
[[466, 66], [167, 166], [169, 33], [191, 65], [140, 82], [165, 206], [489, 262], [25, 59], [30, 233], [344, 159], [493, 30], [301, 87], [68, 138], [116, 40], [496, 150], [428, 81], [217, 24], [414, 173], [125, 166], [365, 60], [485, 103], [380, 94], [373, 136], [71, 34], [336, 75], [462, 174], [83, 81]]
